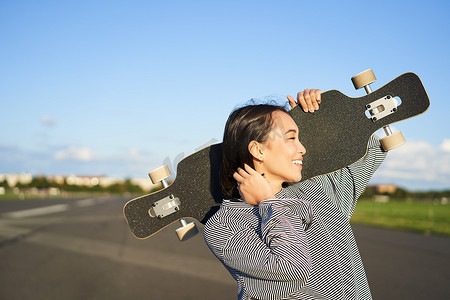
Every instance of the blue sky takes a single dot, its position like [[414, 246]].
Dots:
[[118, 87]]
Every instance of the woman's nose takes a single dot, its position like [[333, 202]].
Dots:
[[301, 148]]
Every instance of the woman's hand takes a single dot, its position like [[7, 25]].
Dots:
[[252, 186], [309, 100]]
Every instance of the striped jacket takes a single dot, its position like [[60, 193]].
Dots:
[[301, 247]]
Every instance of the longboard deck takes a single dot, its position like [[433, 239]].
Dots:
[[335, 136]]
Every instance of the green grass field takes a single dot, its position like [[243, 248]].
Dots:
[[424, 217]]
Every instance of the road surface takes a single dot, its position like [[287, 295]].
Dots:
[[83, 249]]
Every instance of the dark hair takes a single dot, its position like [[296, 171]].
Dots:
[[246, 124]]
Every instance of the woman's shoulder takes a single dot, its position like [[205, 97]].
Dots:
[[302, 189], [232, 214], [231, 219]]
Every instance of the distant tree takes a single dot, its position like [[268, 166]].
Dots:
[[117, 188], [4, 184], [132, 188], [40, 182], [368, 193], [97, 189], [401, 194]]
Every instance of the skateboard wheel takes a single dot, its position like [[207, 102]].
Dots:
[[364, 78], [392, 141], [159, 174], [187, 230]]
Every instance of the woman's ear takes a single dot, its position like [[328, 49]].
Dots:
[[256, 150]]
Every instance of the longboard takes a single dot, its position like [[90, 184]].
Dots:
[[335, 136]]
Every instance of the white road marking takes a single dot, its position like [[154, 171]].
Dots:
[[85, 202], [33, 212], [51, 209]]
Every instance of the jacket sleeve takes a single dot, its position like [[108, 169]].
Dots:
[[346, 185], [280, 254]]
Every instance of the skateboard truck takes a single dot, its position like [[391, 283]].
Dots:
[[164, 207], [187, 230], [380, 109], [167, 205]]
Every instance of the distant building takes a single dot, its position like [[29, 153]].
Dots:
[[381, 198], [14, 179], [108, 181], [82, 180], [385, 188], [59, 179]]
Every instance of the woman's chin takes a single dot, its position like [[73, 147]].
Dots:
[[298, 178], [294, 179]]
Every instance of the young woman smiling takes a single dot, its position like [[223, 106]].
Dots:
[[286, 242]]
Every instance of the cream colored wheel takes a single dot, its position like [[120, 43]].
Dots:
[[392, 141], [160, 174], [187, 230], [364, 78]]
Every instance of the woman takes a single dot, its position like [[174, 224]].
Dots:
[[292, 242]]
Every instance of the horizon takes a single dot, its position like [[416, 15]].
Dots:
[[150, 184]]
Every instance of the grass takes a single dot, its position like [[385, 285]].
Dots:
[[423, 217]]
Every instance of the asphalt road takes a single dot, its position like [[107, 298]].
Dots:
[[83, 249]]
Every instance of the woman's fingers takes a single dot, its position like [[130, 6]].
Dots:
[[252, 186], [250, 170], [238, 177], [309, 100], [292, 102], [318, 96], [244, 173]]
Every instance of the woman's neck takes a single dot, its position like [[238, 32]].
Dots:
[[276, 186]]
